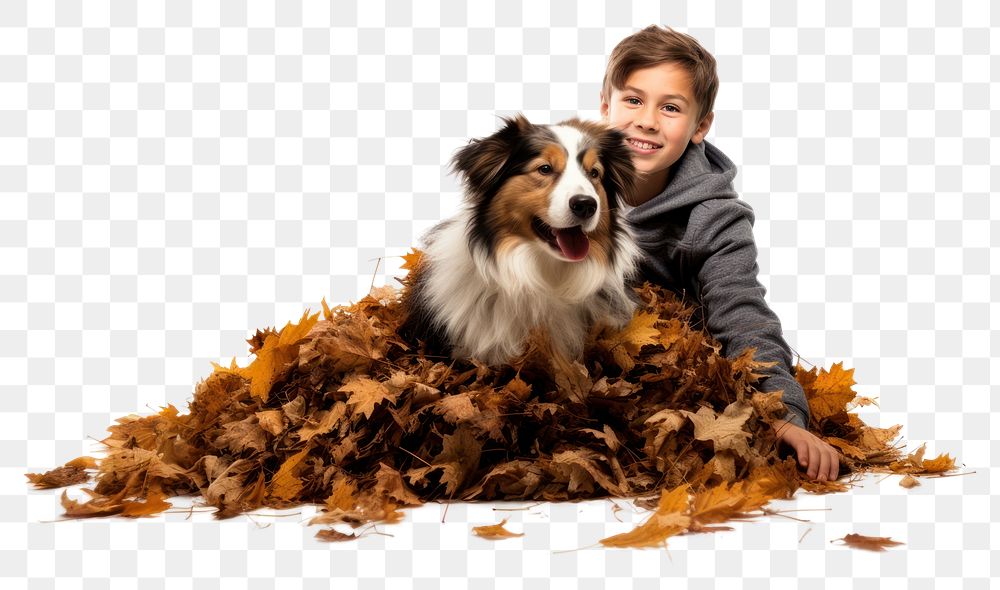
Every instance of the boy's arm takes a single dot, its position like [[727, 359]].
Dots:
[[723, 262]]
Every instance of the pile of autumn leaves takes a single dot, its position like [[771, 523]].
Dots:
[[340, 411]]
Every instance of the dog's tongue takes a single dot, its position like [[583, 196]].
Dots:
[[573, 243]]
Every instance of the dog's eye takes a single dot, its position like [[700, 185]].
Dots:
[[545, 169], [595, 173]]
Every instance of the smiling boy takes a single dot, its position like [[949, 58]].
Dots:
[[696, 235]]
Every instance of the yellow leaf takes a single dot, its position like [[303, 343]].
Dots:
[[278, 352], [285, 485], [627, 343]]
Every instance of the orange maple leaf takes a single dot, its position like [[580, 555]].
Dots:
[[277, 353], [831, 392], [411, 259], [939, 464]]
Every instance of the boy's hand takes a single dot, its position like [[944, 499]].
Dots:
[[819, 458]]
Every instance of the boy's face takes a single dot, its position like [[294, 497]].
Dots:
[[656, 106]]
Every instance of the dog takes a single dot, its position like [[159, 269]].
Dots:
[[538, 244]]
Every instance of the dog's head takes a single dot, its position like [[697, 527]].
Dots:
[[554, 186]]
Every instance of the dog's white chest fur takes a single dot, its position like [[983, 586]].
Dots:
[[488, 305]]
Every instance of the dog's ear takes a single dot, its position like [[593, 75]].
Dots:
[[481, 161], [619, 171]]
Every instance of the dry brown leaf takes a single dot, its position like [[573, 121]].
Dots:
[[386, 423], [324, 421], [366, 394], [455, 408], [580, 467], [271, 421], [725, 431], [114, 505], [389, 483], [154, 504], [333, 535], [459, 457], [847, 448], [495, 531], [669, 519], [58, 478], [245, 434], [868, 543]]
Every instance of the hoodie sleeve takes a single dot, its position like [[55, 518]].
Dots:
[[722, 259]]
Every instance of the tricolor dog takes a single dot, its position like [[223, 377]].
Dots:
[[538, 243]]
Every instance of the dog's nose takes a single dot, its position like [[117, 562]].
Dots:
[[583, 206]]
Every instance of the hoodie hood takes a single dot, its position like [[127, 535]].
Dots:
[[703, 172]]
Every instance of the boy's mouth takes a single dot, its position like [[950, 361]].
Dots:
[[643, 146]]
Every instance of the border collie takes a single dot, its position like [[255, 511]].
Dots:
[[537, 244]]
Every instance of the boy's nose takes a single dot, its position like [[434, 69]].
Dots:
[[645, 124], [645, 120]]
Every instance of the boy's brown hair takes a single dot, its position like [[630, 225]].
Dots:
[[655, 45]]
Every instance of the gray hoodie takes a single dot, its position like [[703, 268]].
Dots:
[[696, 239]]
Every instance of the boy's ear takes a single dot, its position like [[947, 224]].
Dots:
[[604, 107], [703, 127]]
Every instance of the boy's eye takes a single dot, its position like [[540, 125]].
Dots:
[[670, 106], [632, 98], [545, 169]]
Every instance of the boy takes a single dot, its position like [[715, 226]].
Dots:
[[659, 88]]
